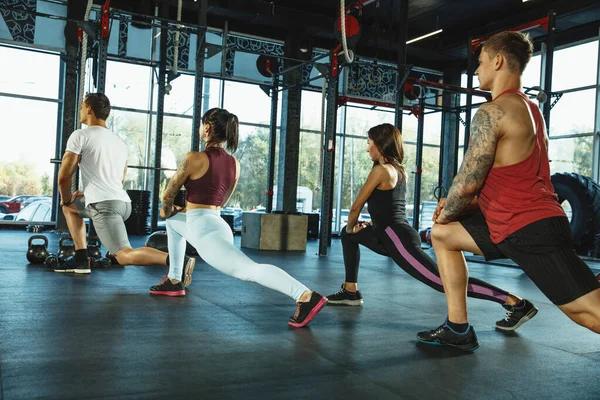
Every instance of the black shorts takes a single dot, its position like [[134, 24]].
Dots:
[[544, 250]]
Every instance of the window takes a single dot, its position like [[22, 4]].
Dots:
[[575, 66], [573, 113], [128, 85], [571, 155], [248, 102], [29, 142], [29, 72]]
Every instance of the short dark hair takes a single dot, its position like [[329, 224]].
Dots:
[[515, 46], [99, 103]]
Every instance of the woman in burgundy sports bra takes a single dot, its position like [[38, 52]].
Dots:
[[210, 177]]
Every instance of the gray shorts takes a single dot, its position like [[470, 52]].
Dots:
[[109, 221]]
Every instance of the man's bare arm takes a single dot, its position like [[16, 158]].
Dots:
[[477, 162]]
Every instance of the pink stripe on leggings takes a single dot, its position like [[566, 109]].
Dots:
[[420, 268]]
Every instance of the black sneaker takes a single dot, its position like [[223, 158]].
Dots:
[[345, 297], [306, 311], [188, 268], [445, 336], [71, 265], [515, 317], [167, 288]]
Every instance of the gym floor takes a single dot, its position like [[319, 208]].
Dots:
[[103, 336]]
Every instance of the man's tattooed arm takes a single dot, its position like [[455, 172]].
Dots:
[[476, 164], [175, 184]]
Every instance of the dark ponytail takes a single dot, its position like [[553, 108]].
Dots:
[[231, 132], [224, 127]]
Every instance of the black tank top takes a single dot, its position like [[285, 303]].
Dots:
[[388, 207]]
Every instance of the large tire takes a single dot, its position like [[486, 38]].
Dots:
[[584, 196]]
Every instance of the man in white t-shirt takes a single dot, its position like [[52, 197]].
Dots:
[[102, 159]]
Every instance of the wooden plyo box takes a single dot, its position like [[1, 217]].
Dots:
[[274, 231]]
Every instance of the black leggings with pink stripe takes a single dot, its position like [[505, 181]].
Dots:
[[403, 244]]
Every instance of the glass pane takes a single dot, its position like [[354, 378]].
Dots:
[[429, 181], [532, 73], [128, 85], [409, 164], [132, 128], [248, 102], [311, 112], [309, 171], [180, 99], [25, 167], [575, 66], [360, 120], [410, 125], [571, 155], [253, 150], [29, 73], [574, 113], [357, 166], [432, 128]]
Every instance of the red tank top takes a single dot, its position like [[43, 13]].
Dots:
[[211, 187], [517, 195]]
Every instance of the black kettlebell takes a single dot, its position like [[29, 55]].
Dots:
[[112, 258], [37, 253], [93, 247], [53, 260], [100, 262], [66, 250]]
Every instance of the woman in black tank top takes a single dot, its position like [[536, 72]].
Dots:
[[389, 234]]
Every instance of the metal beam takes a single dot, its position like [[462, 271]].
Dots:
[[419, 164], [548, 61], [199, 76], [272, 143], [401, 61], [160, 108], [329, 164]]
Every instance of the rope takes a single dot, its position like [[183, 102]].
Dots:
[[83, 62], [348, 55], [176, 49]]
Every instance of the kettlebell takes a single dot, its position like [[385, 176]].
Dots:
[[52, 261], [37, 253], [66, 250], [93, 247], [112, 258], [100, 262]]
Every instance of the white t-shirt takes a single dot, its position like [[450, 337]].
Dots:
[[103, 160]]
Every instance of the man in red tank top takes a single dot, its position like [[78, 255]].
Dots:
[[502, 205]]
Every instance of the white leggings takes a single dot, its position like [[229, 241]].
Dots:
[[212, 238]]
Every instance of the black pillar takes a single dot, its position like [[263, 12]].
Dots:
[[470, 72], [160, 108], [289, 142], [102, 60], [199, 75], [401, 61], [272, 143], [450, 131], [548, 58], [329, 164], [69, 115], [419, 164]]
